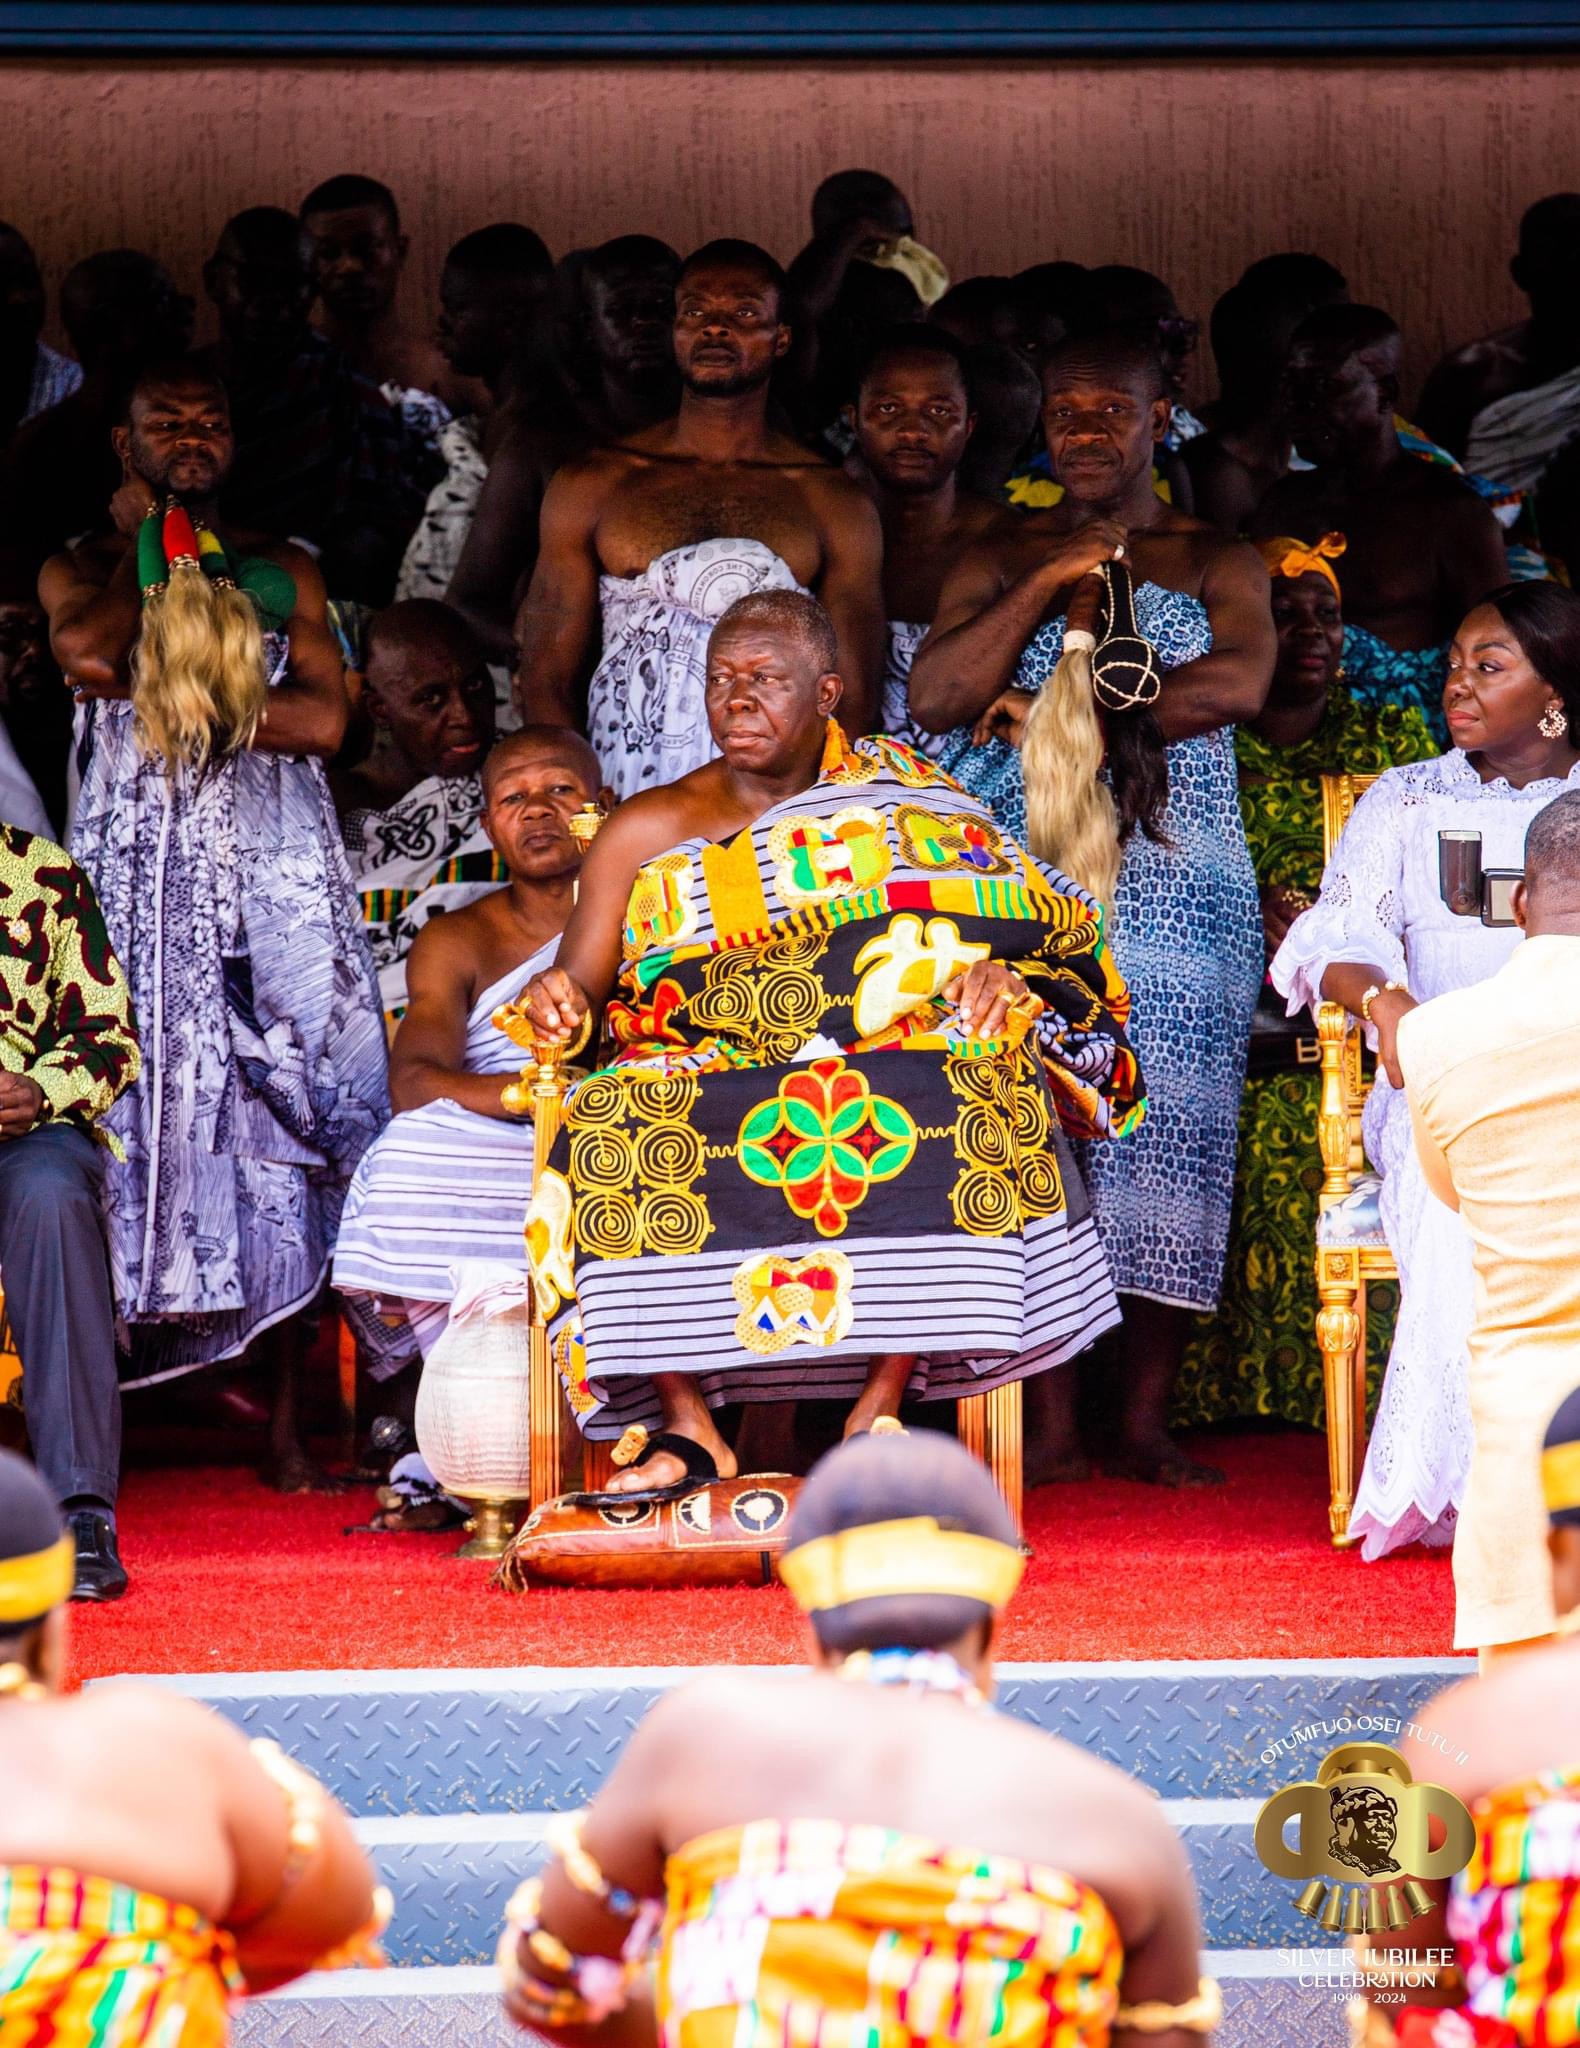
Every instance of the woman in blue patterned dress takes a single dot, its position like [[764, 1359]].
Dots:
[[1186, 928]]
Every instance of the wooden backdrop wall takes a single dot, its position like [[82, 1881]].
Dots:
[[1409, 176]]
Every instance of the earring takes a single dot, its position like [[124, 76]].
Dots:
[[1554, 722]]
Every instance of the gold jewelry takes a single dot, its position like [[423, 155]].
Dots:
[[1371, 995], [1198, 2015], [912, 1555], [1554, 722], [32, 1586], [18, 1683], [304, 1809]]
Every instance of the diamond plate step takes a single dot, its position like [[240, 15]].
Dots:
[[1265, 2006], [451, 1875], [538, 1740]]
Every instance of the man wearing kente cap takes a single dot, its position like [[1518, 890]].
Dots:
[[845, 1018], [68, 1050], [1492, 1075], [867, 1839]]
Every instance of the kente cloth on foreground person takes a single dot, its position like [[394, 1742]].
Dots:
[[206, 825], [68, 1048], [1185, 930], [411, 804], [1508, 1744], [866, 1850], [1423, 546], [447, 1183], [1491, 1075], [155, 1868], [822, 1139], [658, 536], [1379, 940], [1259, 1355]]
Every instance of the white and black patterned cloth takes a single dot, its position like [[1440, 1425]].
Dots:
[[265, 1073], [441, 1188], [645, 712], [426, 853], [435, 547]]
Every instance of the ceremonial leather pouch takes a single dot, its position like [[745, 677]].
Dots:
[[728, 1533]]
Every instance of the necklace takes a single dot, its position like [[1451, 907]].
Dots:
[[18, 1683], [916, 1671]]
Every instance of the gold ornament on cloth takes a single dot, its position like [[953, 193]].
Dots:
[[913, 1555], [31, 1586]]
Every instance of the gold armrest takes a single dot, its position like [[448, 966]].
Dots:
[[1333, 1110]]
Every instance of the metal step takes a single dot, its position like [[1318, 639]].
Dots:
[[1266, 2005], [535, 1740]]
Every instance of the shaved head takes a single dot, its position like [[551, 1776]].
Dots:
[[544, 743], [1552, 845], [1112, 353], [422, 625]]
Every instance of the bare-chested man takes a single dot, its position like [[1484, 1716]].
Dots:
[[1423, 547], [618, 377], [1538, 358], [357, 250], [914, 420], [664, 532], [1186, 928], [450, 1178]]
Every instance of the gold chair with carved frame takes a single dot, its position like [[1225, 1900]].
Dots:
[[1351, 1251]]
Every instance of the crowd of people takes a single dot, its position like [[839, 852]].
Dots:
[[314, 642]]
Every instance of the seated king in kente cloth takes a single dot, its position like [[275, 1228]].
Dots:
[[844, 1020]]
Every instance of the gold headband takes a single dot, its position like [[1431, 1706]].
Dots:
[[1287, 556], [30, 1586], [880, 1559], [1561, 1477]]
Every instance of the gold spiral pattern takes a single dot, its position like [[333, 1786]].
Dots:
[[1041, 1190], [599, 1100], [674, 1221], [668, 1153], [789, 1001], [660, 1098], [984, 1138], [984, 1203], [601, 1158], [608, 1225]]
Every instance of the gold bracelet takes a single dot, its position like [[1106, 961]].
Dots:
[[1371, 995], [1198, 2015], [304, 1808]]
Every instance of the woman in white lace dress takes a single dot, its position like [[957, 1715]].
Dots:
[[1379, 940]]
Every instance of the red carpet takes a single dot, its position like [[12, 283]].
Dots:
[[229, 1577]]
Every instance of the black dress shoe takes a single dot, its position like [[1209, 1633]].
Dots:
[[100, 1573]]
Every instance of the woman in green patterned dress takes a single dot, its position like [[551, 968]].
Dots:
[[1258, 1354]]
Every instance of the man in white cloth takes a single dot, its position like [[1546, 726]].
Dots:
[[411, 806], [449, 1179], [659, 535]]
